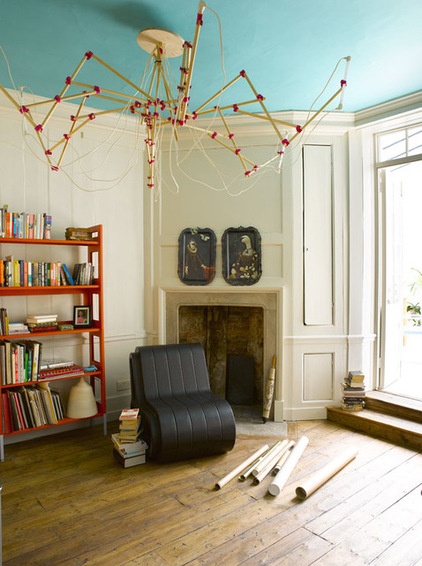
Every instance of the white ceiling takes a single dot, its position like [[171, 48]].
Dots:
[[288, 48]]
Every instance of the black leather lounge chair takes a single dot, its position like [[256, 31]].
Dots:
[[181, 418]]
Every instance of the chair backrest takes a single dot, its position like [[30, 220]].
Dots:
[[170, 370]]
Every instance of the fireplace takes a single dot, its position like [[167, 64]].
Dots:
[[235, 323]]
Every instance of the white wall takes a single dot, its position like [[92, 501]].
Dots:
[[103, 187], [312, 357]]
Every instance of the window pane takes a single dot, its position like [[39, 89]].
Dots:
[[392, 146], [415, 140]]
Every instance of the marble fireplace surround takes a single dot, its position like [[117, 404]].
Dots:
[[270, 300]]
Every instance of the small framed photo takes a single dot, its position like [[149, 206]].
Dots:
[[241, 248], [197, 254], [81, 316]]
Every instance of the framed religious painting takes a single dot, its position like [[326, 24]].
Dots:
[[197, 255], [241, 248]]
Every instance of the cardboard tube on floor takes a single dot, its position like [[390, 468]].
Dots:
[[221, 483], [308, 486], [267, 456], [271, 462], [283, 475]]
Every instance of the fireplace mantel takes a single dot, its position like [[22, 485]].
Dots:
[[269, 299]]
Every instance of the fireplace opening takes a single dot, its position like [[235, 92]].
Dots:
[[233, 340]]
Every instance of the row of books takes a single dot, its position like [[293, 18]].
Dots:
[[353, 392], [30, 407], [19, 361], [30, 225], [22, 362], [21, 273], [128, 447]]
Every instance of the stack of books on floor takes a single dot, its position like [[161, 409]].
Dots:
[[128, 447], [353, 390]]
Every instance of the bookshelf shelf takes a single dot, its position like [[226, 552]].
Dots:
[[88, 295]]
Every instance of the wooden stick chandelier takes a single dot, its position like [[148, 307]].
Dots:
[[158, 105]]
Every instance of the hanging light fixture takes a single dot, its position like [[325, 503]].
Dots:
[[159, 105]]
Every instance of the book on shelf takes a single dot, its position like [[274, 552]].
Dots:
[[4, 321], [19, 361], [18, 328], [67, 276], [22, 273], [30, 407], [74, 370], [52, 364], [27, 225], [83, 273], [129, 461], [41, 318]]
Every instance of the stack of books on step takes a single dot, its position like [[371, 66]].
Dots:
[[128, 447], [353, 390]]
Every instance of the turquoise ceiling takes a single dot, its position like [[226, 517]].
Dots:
[[289, 48]]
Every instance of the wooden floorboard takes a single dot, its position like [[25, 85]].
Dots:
[[65, 501]]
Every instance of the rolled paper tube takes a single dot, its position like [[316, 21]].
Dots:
[[261, 465], [284, 455], [221, 483], [308, 486], [271, 462], [246, 473], [269, 391], [283, 475]]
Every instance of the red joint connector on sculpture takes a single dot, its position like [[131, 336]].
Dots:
[[72, 118], [132, 109], [213, 135], [186, 98], [38, 128], [285, 142], [280, 152], [184, 70], [194, 115], [237, 151], [68, 80], [66, 136], [151, 161], [298, 129], [259, 97], [343, 83], [97, 89], [57, 98], [235, 107], [242, 73], [91, 116], [48, 152], [23, 109], [231, 136], [187, 44], [199, 21], [54, 168], [89, 54]]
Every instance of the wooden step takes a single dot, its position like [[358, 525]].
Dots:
[[395, 405], [394, 429]]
